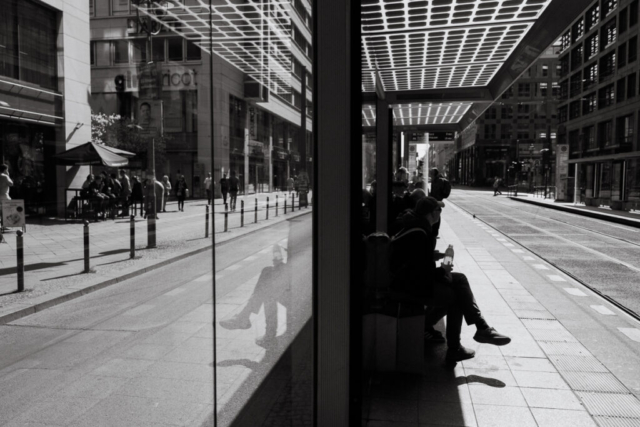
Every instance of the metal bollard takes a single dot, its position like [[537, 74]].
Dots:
[[20, 253], [241, 213], [276, 205], [293, 202], [267, 207], [285, 205], [132, 236], [256, 219], [299, 204], [226, 221], [226, 206], [206, 224], [87, 267]]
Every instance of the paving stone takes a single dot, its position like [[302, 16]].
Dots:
[[551, 399], [562, 418]]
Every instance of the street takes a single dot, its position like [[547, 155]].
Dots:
[[141, 352]]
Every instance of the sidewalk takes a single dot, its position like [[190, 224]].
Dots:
[[574, 359], [54, 253], [620, 217]]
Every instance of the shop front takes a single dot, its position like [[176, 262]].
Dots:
[[612, 182]]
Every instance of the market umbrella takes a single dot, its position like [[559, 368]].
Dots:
[[94, 154]]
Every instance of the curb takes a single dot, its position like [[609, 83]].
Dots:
[[597, 215], [68, 296]]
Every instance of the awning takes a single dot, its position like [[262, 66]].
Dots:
[[94, 154]]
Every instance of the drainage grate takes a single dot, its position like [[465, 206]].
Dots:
[[617, 422], [564, 348], [558, 335], [577, 364], [610, 405], [594, 381]]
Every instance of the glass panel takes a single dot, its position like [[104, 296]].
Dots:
[[139, 50], [158, 50], [633, 181], [174, 47], [121, 52], [616, 182], [120, 7], [606, 177], [193, 52], [589, 180]]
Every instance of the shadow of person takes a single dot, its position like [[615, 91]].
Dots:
[[491, 382], [273, 288]]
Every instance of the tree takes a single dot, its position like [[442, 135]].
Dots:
[[125, 134]]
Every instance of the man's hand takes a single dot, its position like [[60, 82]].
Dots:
[[437, 255], [447, 267]]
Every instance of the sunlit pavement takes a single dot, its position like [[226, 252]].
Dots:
[[574, 359], [141, 352]]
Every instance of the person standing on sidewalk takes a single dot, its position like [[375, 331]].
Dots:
[[290, 184], [125, 194], [154, 185], [303, 189], [496, 186], [224, 187], [181, 192], [167, 191], [234, 186], [440, 190], [207, 186]]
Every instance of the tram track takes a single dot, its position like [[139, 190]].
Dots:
[[633, 314]]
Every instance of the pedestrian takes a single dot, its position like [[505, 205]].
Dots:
[[137, 194], [440, 190], [154, 186], [290, 184], [125, 194], [207, 187], [496, 186], [224, 187], [303, 189], [167, 190], [234, 185], [181, 192]]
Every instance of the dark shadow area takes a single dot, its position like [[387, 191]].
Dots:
[[114, 252], [491, 382]]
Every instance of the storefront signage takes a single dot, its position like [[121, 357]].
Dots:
[[13, 213], [167, 78]]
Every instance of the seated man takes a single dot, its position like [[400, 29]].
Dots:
[[450, 292]]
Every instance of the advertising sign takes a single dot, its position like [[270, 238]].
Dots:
[[13, 213], [149, 115], [562, 171]]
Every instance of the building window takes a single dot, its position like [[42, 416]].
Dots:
[[544, 89], [590, 75], [564, 90], [120, 7], [523, 110], [607, 66], [606, 96], [592, 45], [491, 114], [121, 52], [590, 137], [545, 70], [505, 132], [589, 103], [139, 50], [524, 90], [174, 49], [621, 89], [624, 130], [577, 55], [564, 66], [605, 134], [622, 20], [633, 13], [622, 55], [633, 49], [576, 84], [490, 131], [508, 93], [608, 34], [555, 89], [574, 141], [91, 8], [194, 53], [577, 30], [631, 85], [158, 49], [593, 16], [609, 6], [558, 70], [92, 53], [574, 110], [507, 112], [562, 114], [565, 41]]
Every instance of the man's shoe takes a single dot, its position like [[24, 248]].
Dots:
[[491, 336], [433, 336], [459, 354], [236, 322]]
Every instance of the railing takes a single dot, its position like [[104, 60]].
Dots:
[[544, 191]]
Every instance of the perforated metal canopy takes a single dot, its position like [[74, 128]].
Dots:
[[417, 114]]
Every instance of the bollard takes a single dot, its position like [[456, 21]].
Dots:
[[132, 236], [299, 204], [276, 205], [226, 221], [256, 219], [206, 224], [226, 206], [267, 207], [285, 205], [87, 267], [293, 202], [20, 253], [241, 213]]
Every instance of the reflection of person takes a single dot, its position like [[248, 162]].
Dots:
[[224, 187], [154, 185], [303, 189], [125, 193], [207, 187], [290, 185], [167, 191], [273, 287], [5, 182]]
